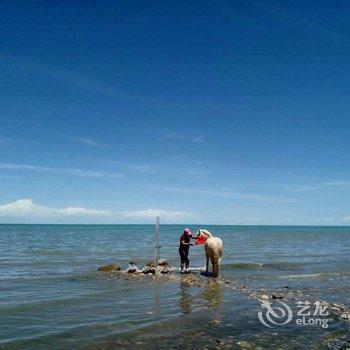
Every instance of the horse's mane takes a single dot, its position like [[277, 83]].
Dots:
[[206, 232]]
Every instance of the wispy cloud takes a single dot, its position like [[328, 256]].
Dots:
[[333, 220], [173, 136], [89, 142], [165, 214], [176, 157], [226, 194], [346, 218], [199, 139], [325, 185], [143, 168], [8, 141], [63, 171], [26, 207], [137, 167], [197, 191], [77, 80]]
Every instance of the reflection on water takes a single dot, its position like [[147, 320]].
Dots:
[[185, 297], [156, 298], [210, 292], [213, 295]]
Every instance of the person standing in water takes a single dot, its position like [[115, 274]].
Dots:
[[185, 242]]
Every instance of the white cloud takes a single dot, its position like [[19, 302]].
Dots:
[[152, 213], [63, 171], [190, 190], [8, 141], [173, 136], [140, 167], [89, 142], [325, 185], [27, 208], [199, 139], [329, 219], [74, 79], [180, 137], [226, 194]]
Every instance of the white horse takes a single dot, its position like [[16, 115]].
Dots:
[[213, 250]]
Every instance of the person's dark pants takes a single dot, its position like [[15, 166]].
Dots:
[[184, 257]]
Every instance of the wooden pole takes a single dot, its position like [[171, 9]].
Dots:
[[157, 240]]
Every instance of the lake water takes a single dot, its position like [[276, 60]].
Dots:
[[51, 295]]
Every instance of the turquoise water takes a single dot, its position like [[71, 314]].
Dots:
[[51, 295]]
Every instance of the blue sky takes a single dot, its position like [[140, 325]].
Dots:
[[220, 112]]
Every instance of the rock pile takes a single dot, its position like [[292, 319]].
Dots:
[[150, 268]]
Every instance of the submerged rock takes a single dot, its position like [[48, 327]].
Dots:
[[109, 268], [131, 270], [162, 262], [164, 270], [277, 295], [148, 269], [244, 345], [151, 263], [345, 316]]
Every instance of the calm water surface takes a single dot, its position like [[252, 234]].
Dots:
[[51, 295]]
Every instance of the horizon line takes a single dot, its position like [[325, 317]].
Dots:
[[169, 224]]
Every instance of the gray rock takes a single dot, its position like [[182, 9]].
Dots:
[[131, 270], [109, 268], [277, 295], [345, 316], [151, 263], [244, 345], [162, 262], [149, 269]]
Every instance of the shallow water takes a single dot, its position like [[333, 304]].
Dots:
[[52, 296]]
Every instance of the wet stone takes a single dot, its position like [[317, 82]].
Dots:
[[162, 262], [244, 345], [277, 295], [345, 316], [151, 263], [149, 269], [109, 268], [132, 270]]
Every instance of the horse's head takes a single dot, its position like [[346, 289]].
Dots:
[[204, 233]]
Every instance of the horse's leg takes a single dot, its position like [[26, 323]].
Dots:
[[207, 266]]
